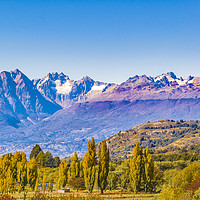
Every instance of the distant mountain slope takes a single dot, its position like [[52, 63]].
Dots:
[[159, 136], [62, 114], [166, 86], [69, 129], [20, 100]]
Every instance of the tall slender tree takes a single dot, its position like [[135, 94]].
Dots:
[[63, 170], [32, 172], [148, 170], [35, 151], [44, 180], [50, 185], [89, 163], [136, 168], [40, 158], [103, 166], [36, 185], [22, 171], [74, 169]]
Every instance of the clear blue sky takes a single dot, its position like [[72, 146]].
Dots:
[[106, 40]]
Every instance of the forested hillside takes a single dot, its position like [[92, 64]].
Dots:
[[162, 136]]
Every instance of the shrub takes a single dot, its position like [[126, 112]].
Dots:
[[6, 197]]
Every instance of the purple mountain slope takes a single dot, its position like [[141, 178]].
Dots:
[[31, 112], [20, 100], [69, 129]]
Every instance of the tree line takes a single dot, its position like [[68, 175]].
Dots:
[[139, 175], [15, 168], [17, 172]]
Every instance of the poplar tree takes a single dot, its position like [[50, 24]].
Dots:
[[32, 172], [36, 185], [103, 166], [44, 180], [136, 168], [22, 171], [50, 185], [89, 163], [74, 169], [35, 151], [40, 158], [63, 170], [11, 182], [148, 170]]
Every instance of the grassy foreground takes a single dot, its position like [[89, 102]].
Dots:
[[83, 196]]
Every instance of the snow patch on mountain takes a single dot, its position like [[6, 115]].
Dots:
[[64, 88], [171, 77], [29, 119], [98, 87]]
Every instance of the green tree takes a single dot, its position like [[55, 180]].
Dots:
[[36, 185], [48, 160], [40, 158], [89, 163], [35, 151], [63, 170], [182, 184], [74, 169], [50, 186], [32, 172], [136, 168], [148, 170], [56, 161], [11, 182], [22, 171], [103, 166], [44, 180]]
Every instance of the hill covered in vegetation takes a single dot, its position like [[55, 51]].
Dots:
[[162, 136]]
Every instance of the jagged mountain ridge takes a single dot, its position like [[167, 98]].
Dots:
[[62, 114], [20, 101], [60, 89]]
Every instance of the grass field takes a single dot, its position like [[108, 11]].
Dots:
[[83, 195]]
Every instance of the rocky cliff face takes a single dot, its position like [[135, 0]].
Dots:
[[60, 89], [20, 100], [166, 86]]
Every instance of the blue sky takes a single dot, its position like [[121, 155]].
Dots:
[[106, 40]]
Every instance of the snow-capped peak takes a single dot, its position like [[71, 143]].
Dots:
[[171, 77], [64, 88]]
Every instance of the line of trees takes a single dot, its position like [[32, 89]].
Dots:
[[87, 169], [141, 169], [44, 159], [15, 168], [138, 175]]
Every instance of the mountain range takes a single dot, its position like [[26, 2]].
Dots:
[[61, 114]]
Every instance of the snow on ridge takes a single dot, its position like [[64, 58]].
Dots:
[[158, 78], [63, 88], [190, 81], [179, 81], [98, 87], [29, 119], [170, 79], [44, 80]]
